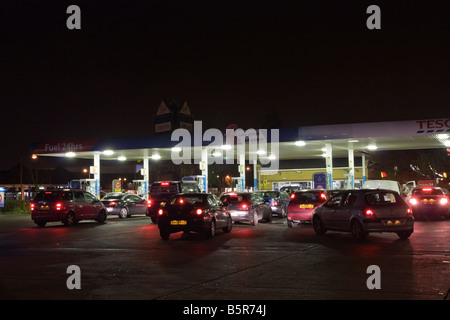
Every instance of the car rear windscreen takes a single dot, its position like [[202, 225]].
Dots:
[[47, 196], [234, 198], [427, 192], [307, 197], [382, 198], [164, 188]]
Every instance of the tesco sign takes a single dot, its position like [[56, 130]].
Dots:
[[433, 125]]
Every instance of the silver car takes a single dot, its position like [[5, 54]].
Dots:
[[363, 211]]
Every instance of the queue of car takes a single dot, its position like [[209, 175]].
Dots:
[[177, 206]]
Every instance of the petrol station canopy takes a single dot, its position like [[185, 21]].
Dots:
[[293, 142]]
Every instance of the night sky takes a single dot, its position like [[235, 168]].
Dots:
[[311, 62]]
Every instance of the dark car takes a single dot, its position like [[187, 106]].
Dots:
[[429, 202], [198, 212], [124, 204], [303, 203], [161, 191], [290, 189], [363, 211], [277, 200], [247, 207], [67, 206]]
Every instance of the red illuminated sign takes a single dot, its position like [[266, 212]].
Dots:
[[65, 146]]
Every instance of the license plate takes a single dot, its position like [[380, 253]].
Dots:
[[178, 222], [393, 222], [45, 208], [109, 209], [306, 206]]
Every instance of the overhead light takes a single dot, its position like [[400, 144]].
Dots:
[[156, 157], [447, 143], [353, 140], [217, 154], [70, 154], [272, 157], [300, 143], [261, 152], [108, 152], [122, 158], [372, 147], [176, 149], [442, 136], [226, 147], [324, 155]]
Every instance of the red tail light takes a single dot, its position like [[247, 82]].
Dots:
[[32, 206], [244, 206], [369, 213], [323, 196], [413, 201], [164, 183], [58, 206], [443, 201], [274, 203], [409, 211], [181, 201], [160, 212], [112, 203], [199, 211], [426, 189], [293, 196], [149, 203]]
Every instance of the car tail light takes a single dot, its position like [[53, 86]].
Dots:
[[369, 213], [58, 206], [32, 206], [293, 196], [112, 203], [244, 206], [426, 189], [164, 183], [443, 201], [160, 212], [323, 196], [413, 201], [198, 211], [181, 201], [274, 203], [149, 203], [409, 211]]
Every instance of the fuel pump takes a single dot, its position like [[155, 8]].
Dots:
[[141, 187], [87, 185]]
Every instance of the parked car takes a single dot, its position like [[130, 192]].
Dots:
[[161, 191], [198, 212], [67, 206], [429, 202], [303, 203], [124, 204], [246, 207], [363, 211], [277, 200]]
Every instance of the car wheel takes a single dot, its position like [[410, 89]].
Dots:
[[404, 235], [318, 226], [254, 220], [123, 213], [164, 234], [101, 218], [211, 230], [290, 223], [357, 231], [229, 225], [70, 219], [269, 216]]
